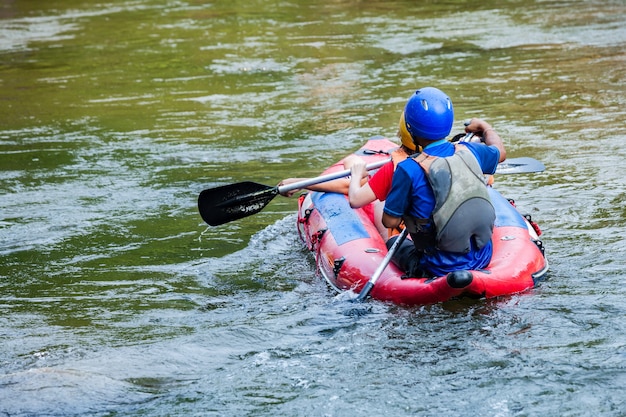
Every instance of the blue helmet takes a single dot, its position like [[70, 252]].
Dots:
[[429, 114]]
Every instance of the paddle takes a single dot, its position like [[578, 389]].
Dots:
[[235, 201], [381, 268], [523, 165]]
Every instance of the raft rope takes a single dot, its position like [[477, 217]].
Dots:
[[375, 152]]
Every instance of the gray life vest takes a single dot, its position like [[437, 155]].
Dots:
[[463, 211]]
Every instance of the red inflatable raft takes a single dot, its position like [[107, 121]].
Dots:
[[348, 248]]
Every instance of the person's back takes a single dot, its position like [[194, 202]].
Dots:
[[417, 212], [412, 198]]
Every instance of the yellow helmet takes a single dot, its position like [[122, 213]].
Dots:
[[404, 135]]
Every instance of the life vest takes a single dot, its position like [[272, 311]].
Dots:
[[463, 211]]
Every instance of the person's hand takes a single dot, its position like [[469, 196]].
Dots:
[[481, 128], [358, 170], [286, 182], [477, 126], [351, 160]]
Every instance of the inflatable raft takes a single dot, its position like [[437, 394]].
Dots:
[[348, 248]]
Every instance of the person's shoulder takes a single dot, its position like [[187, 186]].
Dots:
[[473, 145], [478, 145], [480, 148], [408, 164], [410, 168], [441, 150], [486, 155], [409, 160]]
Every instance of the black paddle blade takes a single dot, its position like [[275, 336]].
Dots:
[[234, 201]]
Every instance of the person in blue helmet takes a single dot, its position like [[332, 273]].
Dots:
[[441, 194]]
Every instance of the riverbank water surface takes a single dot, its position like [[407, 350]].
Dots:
[[115, 297]]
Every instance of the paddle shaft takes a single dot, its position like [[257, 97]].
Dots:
[[271, 192], [381, 268], [328, 177], [525, 165], [235, 201]]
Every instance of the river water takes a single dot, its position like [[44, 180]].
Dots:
[[116, 299]]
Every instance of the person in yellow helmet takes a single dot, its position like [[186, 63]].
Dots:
[[378, 186], [364, 195], [368, 188]]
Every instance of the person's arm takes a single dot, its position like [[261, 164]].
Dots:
[[339, 185], [359, 193], [335, 186], [398, 198], [489, 135], [390, 221]]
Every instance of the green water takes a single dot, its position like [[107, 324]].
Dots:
[[115, 297]]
